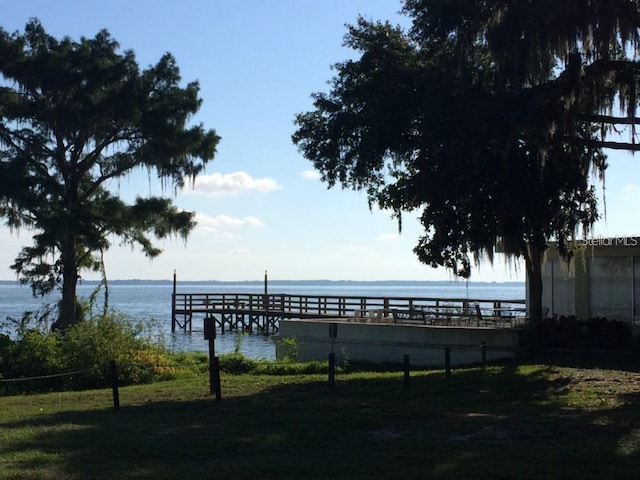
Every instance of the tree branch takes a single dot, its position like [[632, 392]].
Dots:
[[608, 119], [633, 147]]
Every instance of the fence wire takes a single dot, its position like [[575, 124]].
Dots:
[[45, 377]]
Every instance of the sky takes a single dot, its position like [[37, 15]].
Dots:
[[260, 205]]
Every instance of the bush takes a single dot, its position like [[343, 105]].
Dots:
[[95, 342], [237, 363], [293, 368], [569, 332], [87, 348], [188, 364], [289, 348], [35, 353], [144, 365], [5, 348]]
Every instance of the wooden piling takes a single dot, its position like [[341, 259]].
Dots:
[[173, 304]]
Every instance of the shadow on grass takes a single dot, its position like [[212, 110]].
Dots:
[[502, 422], [580, 358]]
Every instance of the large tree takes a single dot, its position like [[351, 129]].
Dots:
[[481, 117], [75, 117]]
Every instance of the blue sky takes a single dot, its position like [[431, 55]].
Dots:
[[259, 205]]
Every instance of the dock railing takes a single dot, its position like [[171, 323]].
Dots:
[[282, 305]]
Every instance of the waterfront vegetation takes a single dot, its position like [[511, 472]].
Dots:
[[38, 360], [86, 348]]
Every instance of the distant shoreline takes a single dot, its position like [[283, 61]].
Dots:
[[293, 282]]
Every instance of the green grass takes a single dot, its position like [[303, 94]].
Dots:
[[514, 421]]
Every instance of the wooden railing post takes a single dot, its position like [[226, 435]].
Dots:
[[173, 304]]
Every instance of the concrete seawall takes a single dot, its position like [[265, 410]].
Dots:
[[379, 342]]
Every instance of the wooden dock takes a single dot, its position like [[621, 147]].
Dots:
[[260, 313]]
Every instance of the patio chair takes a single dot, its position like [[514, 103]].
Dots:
[[479, 318]]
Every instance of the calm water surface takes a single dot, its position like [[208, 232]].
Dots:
[[151, 303]]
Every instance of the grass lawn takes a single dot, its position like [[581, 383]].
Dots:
[[511, 421]]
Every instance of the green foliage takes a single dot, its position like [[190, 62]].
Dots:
[[486, 118], [5, 345], [289, 348], [292, 368], [237, 342], [145, 365], [34, 354], [93, 344], [570, 332], [75, 117], [237, 363], [85, 351], [189, 364]]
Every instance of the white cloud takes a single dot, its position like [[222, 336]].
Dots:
[[310, 175], [218, 184], [239, 251], [221, 224], [225, 221], [388, 237]]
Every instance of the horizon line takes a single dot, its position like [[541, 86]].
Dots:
[[319, 280]]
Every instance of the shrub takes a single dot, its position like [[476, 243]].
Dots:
[[144, 365], [289, 348], [237, 363], [87, 348], [34, 354], [293, 368], [95, 342], [189, 363], [569, 332], [5, 351]]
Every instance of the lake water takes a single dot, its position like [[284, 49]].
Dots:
[[150, 302]]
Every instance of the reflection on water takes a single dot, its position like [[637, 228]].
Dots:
[[252, 345]]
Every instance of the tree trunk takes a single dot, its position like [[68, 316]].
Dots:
[[533, 263], [69, 305]]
